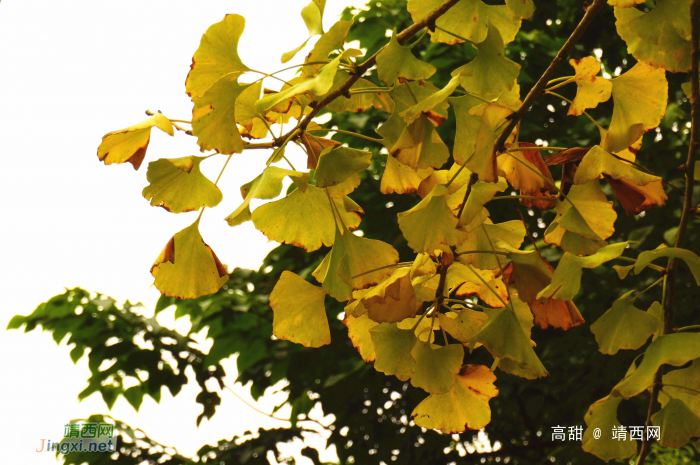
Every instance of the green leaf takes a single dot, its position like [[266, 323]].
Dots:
[[430, 223], [312, 14], [436, 366], [393, 349], [468, 18], [521, 8], [134, 395], [178, 185], [217, 56], [691, 260], [428, 104], [686, 377], [677, 424], [395, 61], [327, 272], [490, 71], [188, 268], [214, 117], [300, 314], [466, 405], [602, 415], [566, 280], [623, 327], [669, 349], [130, 144], [337, 164]]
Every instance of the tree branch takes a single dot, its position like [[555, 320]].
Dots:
[[688, 207], [542, 83], [361, 69]]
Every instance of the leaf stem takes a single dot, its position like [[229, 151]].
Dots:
[[453, 34], [340, 131], [487, 285], [651, 286], [697, 391], [688, 328]]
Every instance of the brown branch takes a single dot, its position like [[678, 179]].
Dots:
[[688, 207], [539, 88], [362, 69]]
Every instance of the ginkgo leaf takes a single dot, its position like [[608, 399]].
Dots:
[[466, 405], [423, 328], [691, 260], [474, 213], [304, 218], [521, 8], [483, 161], [178, 185], [587, 212], [392, 300], [188, 268], [677, 424], [624, 326], [427, 105], [509, 235], [640, 97], [561, 314], [571, 242], [327, 272], [312, 14], [686, 377], [566, 280], [483, 283], [130, 144], [366, 261], [490, 71], [396, 61], [504, 338], [267, 185], [358, 102], [468, 18], [462, 325], [420, 146], [467, 127], [214, 117], [329, 42], [400, 178], [335, 165], [430, 223], [591, 89], [457, 177], [660, 37], [602, 417], [299, 311], [217, 56], [314, 146], [635, 199], [521, 167], [436, 366], [671, 349], [246, 114], [358, 332], [393, 350]]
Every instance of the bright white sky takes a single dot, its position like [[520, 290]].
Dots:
[[71, 72]]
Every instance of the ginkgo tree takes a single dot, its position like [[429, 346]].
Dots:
[[475, 284]]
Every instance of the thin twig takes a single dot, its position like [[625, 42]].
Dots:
[[175, 123]]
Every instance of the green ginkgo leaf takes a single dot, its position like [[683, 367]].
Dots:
[[428, 104], [624, 326], [430, 223], [677, 424], [602, 417], [504, 338], [336, 164], [188, 268], [436, 366], [490, 71], [330, 42], [312, 14], [640, 97], [467, 126], [214, 117], [675, 381], [521, 8], [671, 349], [462, 325], [299, 311], [468, 19], [566, 280], [327, 272], [691, 260], [304, 218], [217, 56], [393, 350], [466, 405], [358, 101], [396, 61], [267, 185], [178, 185], [130, 144]]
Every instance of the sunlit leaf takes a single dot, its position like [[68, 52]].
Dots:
[[420, 146], [312, 14], [338, 164], [130, 144], [392, 300], [602, 416], [400, 178], [677, 424], [624, 326], [470, 284], [691, 260], [474, 213], [483, 161], [393, 350], [358, 332], [436, 366], [586, 212], [502, 237], [462, 325], [396, 61], [591, 88]]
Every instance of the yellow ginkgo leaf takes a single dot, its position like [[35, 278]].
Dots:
[[395, 61], [300, 314], [358, 332], [521, 8], [399, 178], [188, 268], [366, 261], [328, 43], [587, 212], [214, 117], [217, 55], [467, 126], [490, 71], [130, 144], [624, 326], [327, 274], [462, 325], [312, 14], [436, 366], [483, 161], [602, 416], [246, 115], [640, 97], [392, 300], [427, 105], [304, 218], [591, 88], [677, 424], [420, 146], [393, 347], [469, 19], [430, 223], [466, 405], [474, 213], [335, 165], [484, 283], [178, 185], [503, 237]]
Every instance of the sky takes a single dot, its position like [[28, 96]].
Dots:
[[71, 72]]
